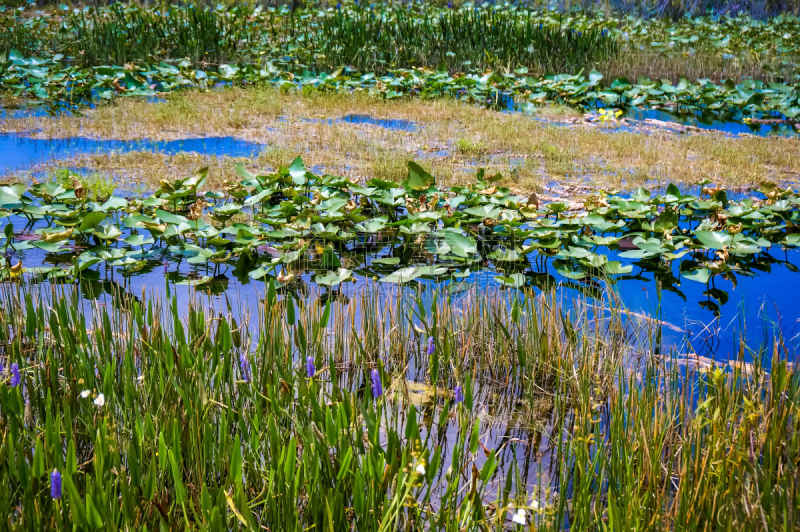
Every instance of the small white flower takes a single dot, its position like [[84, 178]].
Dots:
[[535, 504], [84, 394], [100, 400], [519, 517], [421, 469]]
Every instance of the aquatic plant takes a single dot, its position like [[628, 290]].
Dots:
[[376, 39], [558, 424], [407, 50], [295, 221]]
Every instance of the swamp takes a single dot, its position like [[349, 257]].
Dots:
[[413, 265]]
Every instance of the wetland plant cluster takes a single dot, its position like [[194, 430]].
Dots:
[[284, 225], [517, 414], [494, 55]]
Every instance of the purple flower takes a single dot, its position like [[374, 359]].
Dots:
[[244, 365], [458, 394], [15, 377], [166, 266], [431, 345], [55, 484], [310, 369], [377, 387]]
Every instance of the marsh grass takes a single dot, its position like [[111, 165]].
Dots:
[[451, 137], [208, 419]]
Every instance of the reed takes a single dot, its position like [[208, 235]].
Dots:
[[334, 416]]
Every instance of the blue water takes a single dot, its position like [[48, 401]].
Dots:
[[20, 153], [395, 124], [711, 122], [387, 123], [730, 123]]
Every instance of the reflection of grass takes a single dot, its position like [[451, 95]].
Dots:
[[450, 137], [567, 415]]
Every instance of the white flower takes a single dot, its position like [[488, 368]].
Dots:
[[535, 504], [84, 394], [421, 469], [519, 517], [101, 400]]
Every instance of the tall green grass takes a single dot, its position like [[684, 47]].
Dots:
[[362, 37], [379, 39], [209, 420], [120, 33]]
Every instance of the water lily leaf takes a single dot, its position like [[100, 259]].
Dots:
[[107, 232], [460, 245], [637, 254], [258, 198], [333, 278], [87, 262], [49, 247], [372, 226], [506, 255], [571, 270], [91, 221], [431, 271], [293, 255], [484, 211], [615, 267], [196, 282], [415, 229], [403, 275], [114, 203], [437, 247], [388, 261], [298, 171], [713, 239], [8, 196], [138, 240], [701, 275], [330, 259], [170, 218], [515, 280], [418, 178]]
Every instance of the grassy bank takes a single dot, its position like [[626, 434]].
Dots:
[[481, 415], [452, 138]]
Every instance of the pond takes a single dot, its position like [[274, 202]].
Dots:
[[21, 152], [663, 256]]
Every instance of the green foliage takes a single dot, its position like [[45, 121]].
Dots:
[[185, 419], [391, 37], [271, 227], [492, 55], [98, 187]]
